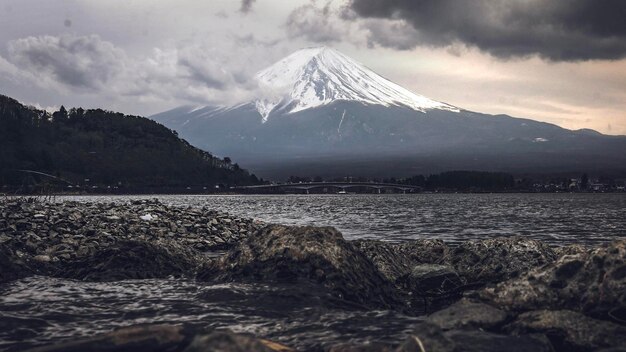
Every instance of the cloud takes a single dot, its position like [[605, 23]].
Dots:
[[572, 30], [85, 62], [393, 34], [223, 74], [315, 24], [246, 6], [195, 71], [204, 69], [9, 72]]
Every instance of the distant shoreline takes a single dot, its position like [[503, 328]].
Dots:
[[57, 194]]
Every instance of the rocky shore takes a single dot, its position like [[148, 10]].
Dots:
[[106, 241], [502, 294]]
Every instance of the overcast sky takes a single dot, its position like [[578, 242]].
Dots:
[[562, 62]]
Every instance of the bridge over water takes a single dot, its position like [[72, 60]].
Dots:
[[328, 187]]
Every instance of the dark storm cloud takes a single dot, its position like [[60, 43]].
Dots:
[[394, 34], [246, 5], [557, 30], [78, 62]]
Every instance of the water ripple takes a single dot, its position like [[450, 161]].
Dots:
[[554, 218], [39, 310]]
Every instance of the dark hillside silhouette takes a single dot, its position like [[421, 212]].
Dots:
[[102, 148]]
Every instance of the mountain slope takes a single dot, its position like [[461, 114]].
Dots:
[[105, 147], [333, 117], [314, 77]]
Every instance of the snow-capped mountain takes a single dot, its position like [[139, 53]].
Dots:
[[313, 77], [321, 113]]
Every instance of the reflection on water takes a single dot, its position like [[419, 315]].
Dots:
[[555, 218], [38, 310]]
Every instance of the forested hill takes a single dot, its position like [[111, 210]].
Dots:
[[97, 148]]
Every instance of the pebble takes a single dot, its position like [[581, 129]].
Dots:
[[42, 258], [71, 230]]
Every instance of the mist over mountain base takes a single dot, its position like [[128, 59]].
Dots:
[[352, 139]]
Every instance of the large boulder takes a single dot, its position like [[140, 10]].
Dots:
[[477, 263], [138, 338], [433, 280], [591, 282], [165, 338], [317, 255], [133, 260], [395, 260], [348, 347], [498, 259], [11, 266], [571, 249], [570, 331], [226, 341], [466, 314], [431, 338], [385, 256], [425, 251], [431, 287]]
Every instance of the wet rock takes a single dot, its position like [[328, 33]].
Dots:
[[318, 255], [428, 337], [71, 232], [572, 249], [11, 266], [570, 331], [361, 348], [224, 341], [42, 258], [498, 259], [481, 341], [386, 257], [433, 279], [395, 260], [427, 251], [591, 282], [23, 225], [132, 260], [466, 314], [134, 338]]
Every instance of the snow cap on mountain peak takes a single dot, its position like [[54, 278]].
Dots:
[[317, 76]]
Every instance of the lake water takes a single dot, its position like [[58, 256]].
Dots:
[[40, 310], [555, 218]]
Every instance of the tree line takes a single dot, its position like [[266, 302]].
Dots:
[[102, 148], [451, 180], [462, 180]]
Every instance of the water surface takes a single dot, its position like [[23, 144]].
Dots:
[[560, 218], [40, 310]]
